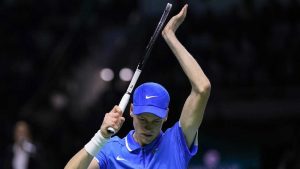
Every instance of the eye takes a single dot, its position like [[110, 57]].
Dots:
[[157, 121], [141, 119]]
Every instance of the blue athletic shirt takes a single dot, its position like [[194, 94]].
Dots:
[[168, 150]]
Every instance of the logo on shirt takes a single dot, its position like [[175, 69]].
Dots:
[[149, 97], [119, 158]]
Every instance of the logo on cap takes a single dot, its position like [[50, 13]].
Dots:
[[149, 97]]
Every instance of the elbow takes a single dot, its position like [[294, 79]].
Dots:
[[204, 88]]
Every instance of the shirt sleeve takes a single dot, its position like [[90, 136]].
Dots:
[[101, 158], [106, 152], [177, 137]]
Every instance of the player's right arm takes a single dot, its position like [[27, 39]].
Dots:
[[84, 159]]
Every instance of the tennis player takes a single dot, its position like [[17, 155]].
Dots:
[[147, 146]]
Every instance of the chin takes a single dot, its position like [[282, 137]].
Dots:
[[148, 141]]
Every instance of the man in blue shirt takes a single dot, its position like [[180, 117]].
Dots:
[[147, 146]]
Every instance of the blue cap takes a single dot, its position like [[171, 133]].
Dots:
[[151, 98]]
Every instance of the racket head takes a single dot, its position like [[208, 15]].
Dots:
[[155, 35]]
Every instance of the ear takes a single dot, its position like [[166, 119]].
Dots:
[[166, 118], [131, 109]]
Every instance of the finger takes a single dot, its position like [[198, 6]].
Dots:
[[117, 109], [105, 125], [115, 118], [118, 124], [184, 9], [182, 14], [115, 115], [122, 121], [111, 118]]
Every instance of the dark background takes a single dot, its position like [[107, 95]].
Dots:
[[51, 53]]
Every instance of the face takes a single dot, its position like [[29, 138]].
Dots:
[[147, 127], [21, 131]]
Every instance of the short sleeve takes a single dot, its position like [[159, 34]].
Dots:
[[177, 137], [101, 158]]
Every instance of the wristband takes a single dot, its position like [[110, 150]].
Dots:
[[95, 144]]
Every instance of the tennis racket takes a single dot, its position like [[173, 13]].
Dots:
[[125, 99]]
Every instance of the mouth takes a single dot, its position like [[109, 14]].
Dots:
[[146, 135]]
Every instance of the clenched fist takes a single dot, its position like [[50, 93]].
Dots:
[[112, 119]]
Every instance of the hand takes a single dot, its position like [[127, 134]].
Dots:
[[112, 119], [175, 22]]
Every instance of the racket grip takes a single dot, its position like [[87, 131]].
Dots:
[[123, 103]]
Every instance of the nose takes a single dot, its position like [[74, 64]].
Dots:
[[148, 126]]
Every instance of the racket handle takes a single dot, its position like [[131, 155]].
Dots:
[[123, 103]]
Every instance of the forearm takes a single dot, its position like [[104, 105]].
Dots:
[[81, 160]]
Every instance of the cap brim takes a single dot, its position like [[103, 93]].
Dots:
[[161, 113]]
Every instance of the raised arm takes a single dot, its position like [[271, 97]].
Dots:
[[193, 109], [85, 157]]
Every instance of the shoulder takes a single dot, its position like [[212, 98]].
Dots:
[[114, 143], [173, 129], [112, 146], [175, 134], [176, 137], [110, 149]]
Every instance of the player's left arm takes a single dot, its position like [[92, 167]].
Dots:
[[193, 109]]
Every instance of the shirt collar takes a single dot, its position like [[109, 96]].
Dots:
[[132, 145]]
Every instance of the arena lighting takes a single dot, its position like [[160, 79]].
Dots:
[[125, 74], [107, 74]]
